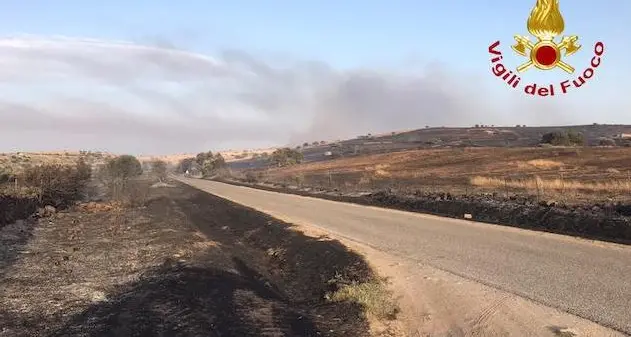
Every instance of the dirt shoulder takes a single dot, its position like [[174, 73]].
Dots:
[[185, 263], [605, 221], [437, 303]]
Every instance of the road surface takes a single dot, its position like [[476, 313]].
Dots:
[[589, 279]]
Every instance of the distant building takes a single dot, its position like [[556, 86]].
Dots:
[[328, 153], [623, 136]]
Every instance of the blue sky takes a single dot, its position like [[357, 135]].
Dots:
[[345, 35], [348, 33]]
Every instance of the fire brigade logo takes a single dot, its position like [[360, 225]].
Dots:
[[546, 23]]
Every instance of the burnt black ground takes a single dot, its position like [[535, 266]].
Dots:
[[247, 275]]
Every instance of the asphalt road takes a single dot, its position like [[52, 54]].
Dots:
[[589, 279]]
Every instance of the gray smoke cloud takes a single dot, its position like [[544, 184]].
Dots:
[[68, 93]]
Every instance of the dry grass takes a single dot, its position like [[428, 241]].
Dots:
[[541, 164], [374, 296], [537, 183], [529, 170], [17, 162], [445, 162], [380, 170]]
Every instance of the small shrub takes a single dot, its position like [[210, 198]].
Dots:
[[606, 142], [373, 296], [251, 177], [6, 176], [57, 185], [569, 138], [299, 179], [136, 193]]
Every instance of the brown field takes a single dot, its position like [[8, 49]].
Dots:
[[571, 172]]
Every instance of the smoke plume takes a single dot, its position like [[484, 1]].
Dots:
[[69, 93]]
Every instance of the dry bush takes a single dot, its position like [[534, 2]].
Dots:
[[130, 192], [374, 296], [159, 169], [17, 204], [37, 186], [136, 193], [366, 178], [299, 179], [251, 177], [56, 184]]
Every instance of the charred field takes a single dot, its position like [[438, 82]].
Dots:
[[180, 263]]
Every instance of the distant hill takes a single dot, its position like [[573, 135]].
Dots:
[[445, 137]]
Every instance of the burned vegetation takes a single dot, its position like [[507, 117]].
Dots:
[[133, 255]]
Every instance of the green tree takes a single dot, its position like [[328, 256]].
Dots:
[[286, 157], [124, 167], [210, 163], [202, 157]]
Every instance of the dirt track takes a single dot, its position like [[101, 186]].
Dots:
[[589, 279], [186, 264]]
